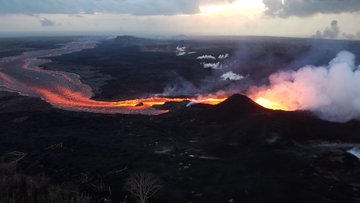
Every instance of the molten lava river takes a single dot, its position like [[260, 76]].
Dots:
[[22, 74]]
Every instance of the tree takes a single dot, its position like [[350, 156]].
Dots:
[[143, 185]]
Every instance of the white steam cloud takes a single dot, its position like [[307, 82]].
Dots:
[[206, 57], [134, 7], [212, 65], [223, 56], [332, 91], [180, 50], [231, 76]]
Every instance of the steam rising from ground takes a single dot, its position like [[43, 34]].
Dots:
[[212, 65], [332, 91], [206, 57], [231, 76]]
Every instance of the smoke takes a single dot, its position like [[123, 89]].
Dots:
[[331, 32], [332, 92], [179, 86], [46, 22]]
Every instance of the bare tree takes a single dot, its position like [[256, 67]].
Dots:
[[143, 185]]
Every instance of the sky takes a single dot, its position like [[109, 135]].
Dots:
[[291, 18]]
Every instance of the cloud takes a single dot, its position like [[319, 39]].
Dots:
[[286, 8], [331, 32], [134, 7], [46, 22]]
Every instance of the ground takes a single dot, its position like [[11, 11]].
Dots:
[[236, 151]]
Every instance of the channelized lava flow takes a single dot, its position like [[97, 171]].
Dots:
[[23, 75]]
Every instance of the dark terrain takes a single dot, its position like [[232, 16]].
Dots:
[[136, 67], [236, 151], [16, 46]]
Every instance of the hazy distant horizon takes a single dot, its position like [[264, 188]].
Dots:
[[110, 35], [330, 19]]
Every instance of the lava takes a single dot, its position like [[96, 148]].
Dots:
[[23, 74], [274, 100], [271, 104]]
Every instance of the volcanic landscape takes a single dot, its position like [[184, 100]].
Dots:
[[214, 119]]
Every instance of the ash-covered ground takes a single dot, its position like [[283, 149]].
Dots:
[[236, 151]]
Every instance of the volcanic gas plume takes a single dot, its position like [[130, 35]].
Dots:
[[23, 75], [331, 91]]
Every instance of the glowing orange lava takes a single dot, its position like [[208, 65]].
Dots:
[[76, 101], [23, 74], [270, 104], [271, 100], [210, 100]]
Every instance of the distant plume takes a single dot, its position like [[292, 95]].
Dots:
[[331, 32], [46, 22]]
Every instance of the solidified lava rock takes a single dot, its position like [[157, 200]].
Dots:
[[238, 103], [233, 108]]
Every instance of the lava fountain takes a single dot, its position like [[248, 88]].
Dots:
[[330, 91], [23, 74], [272, 104]]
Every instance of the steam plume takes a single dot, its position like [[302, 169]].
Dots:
[[212, 65], [331, 91], [231, 76], [331, 32], [206, 57]]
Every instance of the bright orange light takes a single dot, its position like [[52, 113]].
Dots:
[[76, 101], [271, 104], [209, 100]]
